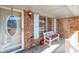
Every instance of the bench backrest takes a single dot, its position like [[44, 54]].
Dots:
[[47, 34]]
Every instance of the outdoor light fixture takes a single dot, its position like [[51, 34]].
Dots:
[[29, 12]]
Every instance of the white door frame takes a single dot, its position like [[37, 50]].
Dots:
[[22, 27]]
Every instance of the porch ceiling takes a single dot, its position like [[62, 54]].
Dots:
[[56, 11]]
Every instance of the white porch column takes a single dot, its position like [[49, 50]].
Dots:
[[55, 25]]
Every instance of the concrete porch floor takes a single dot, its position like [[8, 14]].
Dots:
[[57, 47]]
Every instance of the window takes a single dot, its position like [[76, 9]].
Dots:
[[36, 26], [42, 25]]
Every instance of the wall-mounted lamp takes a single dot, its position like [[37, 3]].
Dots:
[[30, 13]]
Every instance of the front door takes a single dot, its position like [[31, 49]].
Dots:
[[10, 30]]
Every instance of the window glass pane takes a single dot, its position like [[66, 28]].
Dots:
[[36, 26], [11, 25]]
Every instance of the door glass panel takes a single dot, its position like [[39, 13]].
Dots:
[[11, 25], [10, 31]]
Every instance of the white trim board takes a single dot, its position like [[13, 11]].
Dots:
[[10, 8], [55, 25]]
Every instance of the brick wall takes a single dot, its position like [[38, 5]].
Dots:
[[28, 29], [50, 24], [60, 28], [66, 26]]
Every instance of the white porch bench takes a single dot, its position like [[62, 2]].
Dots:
[[49, 37]]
